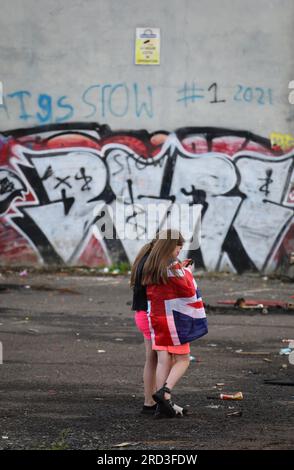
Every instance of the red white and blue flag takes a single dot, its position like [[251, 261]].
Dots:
[[175, 310]]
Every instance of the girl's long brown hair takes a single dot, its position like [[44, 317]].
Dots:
[[155, 268], [144, 250]]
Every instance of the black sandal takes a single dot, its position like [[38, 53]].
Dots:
[[166, 405], [148, 410], [160, 412], [180, 410]]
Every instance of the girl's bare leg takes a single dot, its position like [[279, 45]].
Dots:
[[149, 374], [164, 362], [178, 369], [166, 374]]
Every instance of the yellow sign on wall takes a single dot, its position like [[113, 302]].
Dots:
[[147, 46]]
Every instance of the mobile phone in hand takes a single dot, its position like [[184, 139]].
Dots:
[[188, 262]]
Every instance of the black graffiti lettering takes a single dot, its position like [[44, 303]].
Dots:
[[198, 197], [62, 181], [87, 179], [48, 173], [214, 87], [167, 198], [134, 214], [140, 229], [6, 186], [230, 245], [67, 201], [130, 189], [129, 168], [268, 181], [279, 204], [11, 187], [139, 165], [115, 158]]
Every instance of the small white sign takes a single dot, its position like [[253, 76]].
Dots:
[[147, 46]]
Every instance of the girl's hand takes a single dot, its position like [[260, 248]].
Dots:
[[187, 262]]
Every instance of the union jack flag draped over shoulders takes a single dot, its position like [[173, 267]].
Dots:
[[175, 310]]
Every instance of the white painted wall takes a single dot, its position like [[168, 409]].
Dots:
[[62, 47]]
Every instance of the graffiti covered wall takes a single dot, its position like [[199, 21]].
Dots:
[[55, 181], [210, 127]]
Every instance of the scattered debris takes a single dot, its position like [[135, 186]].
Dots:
[[213, 406], [285, 351], [100, 351], [33, 330], [234, 396], [223, 396], [192, 358], [290, 342], [220, 384], [126, 444], [241, 302], [265, 359], [118, 339], [23, 273], [289, 351], [212, 345], [235, 413]]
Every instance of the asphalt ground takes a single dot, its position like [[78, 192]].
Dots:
[[71, 376]]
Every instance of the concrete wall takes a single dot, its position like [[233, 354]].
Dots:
[[196, 127]]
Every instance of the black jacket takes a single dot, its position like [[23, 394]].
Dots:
[[139, 293]]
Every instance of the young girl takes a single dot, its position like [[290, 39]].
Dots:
[[141, 318], [176, 313]]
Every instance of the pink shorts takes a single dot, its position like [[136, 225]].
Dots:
[[142, 323]]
